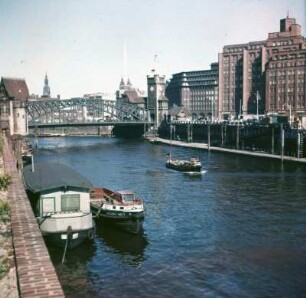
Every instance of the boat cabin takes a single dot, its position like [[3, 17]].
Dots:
[[113, 197], [128, 196]]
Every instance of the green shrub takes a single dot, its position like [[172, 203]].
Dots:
[[4, 267], [4, 181], [4, 211]]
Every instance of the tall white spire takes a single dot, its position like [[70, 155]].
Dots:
[[125, 62], [155, 64]]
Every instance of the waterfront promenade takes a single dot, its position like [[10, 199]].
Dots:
[[204, 146], [36, 276]]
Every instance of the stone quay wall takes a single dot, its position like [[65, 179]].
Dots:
[[36, 276]]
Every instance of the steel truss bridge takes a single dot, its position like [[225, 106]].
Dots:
[[84, 112]]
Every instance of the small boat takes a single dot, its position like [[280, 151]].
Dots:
[[61, 203], [191, 165], [121, 208], [26, 153]]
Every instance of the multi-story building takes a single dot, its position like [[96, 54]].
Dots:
[[285, 86], [244, 73], [241, 78], [197, 91]]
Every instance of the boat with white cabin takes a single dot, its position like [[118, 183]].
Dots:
[[121, 208]]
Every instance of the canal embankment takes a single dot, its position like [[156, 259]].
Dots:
[[204, 146], [8, 278], [32, 273]]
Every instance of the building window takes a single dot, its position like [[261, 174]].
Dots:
[[70, 202], [47, 205]]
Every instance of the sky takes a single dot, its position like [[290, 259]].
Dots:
[[87, 46]]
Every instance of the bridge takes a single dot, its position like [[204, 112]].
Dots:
[[84, 112]]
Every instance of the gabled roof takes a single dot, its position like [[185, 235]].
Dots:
[[176, 110], [15, 88], [163, 98], [133, 97], [49, 177]]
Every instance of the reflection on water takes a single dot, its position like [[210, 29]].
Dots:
[[73, 273], [195, 174], [132, 226], [130, 246]]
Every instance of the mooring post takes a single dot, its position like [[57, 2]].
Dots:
[[272, 140], [237, 136], [208, 136], [222, 135], [282, 141], [187, 131], [298, 144]]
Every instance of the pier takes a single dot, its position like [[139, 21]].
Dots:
[[207, 147]]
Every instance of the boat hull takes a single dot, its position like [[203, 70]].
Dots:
[[75, 238], [120, 216], [130, 225], [130, 222]]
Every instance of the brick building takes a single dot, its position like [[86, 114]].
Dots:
[[195, 90], [249, 82], [285, 84]]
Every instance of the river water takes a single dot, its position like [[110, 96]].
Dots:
[[236, 230]]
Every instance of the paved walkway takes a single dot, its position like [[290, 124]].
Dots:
[[35, 272], [233, 151]]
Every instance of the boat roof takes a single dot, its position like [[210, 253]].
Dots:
[[126, 192], [50, 177]]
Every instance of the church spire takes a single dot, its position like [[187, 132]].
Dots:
[[46, 90], [122, 84]]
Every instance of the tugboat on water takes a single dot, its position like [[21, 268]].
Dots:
[[191, 165], [120, 208]]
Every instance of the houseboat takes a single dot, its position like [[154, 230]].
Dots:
[[60, 198]]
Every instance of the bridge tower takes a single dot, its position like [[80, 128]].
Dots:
[[157, 101], [18, 118]]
